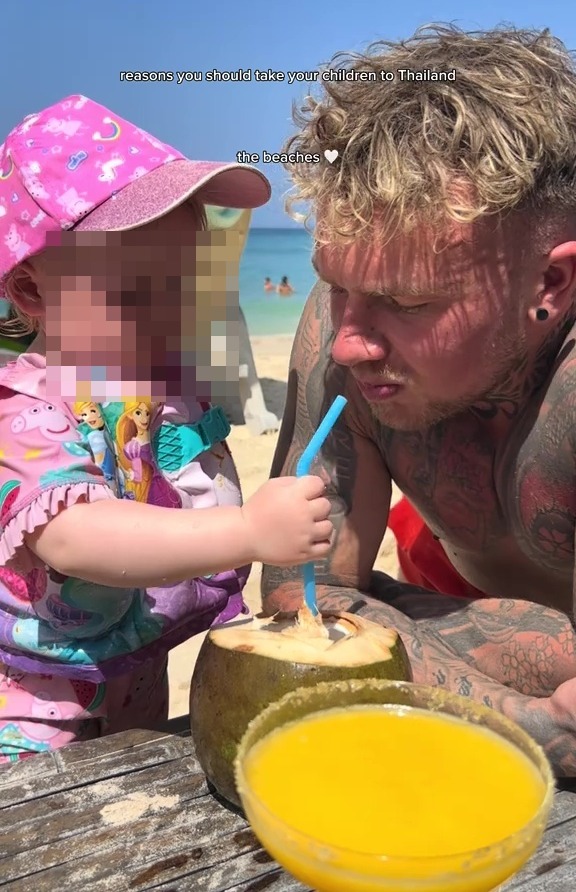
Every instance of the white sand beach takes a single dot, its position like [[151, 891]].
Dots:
[[253, 456]]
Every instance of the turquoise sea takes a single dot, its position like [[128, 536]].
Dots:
[[275, 253]]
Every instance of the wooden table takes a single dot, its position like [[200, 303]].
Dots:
[[133, 812]]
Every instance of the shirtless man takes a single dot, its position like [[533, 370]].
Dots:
[[446, 249]]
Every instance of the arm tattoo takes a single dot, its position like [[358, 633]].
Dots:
[[314, 382], [523, 645], [459, 652], [546, 499]]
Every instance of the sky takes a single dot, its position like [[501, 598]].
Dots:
[[54, 49]]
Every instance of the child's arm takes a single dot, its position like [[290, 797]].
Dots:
[[121, 543]]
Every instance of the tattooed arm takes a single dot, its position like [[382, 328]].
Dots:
[[359, 487], [459, 651], [515, 656]]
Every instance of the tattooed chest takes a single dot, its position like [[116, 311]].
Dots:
[[450, 479], [482, 498]]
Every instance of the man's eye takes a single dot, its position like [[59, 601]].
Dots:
[[402, 308], [415, 309]]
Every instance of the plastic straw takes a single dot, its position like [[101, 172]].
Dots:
[[303, 468]]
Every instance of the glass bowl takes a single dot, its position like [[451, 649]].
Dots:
[[331, 868]]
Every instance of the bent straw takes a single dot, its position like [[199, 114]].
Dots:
[[303, 468]]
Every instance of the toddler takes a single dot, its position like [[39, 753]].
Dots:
[[120, 509]]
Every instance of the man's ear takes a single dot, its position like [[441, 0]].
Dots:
[[22, 289], [559, 283]]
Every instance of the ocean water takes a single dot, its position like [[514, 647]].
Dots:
[[275, 253]]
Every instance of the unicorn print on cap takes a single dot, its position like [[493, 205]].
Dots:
[[109, 174]]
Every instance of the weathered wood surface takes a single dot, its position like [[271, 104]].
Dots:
[[133, 812]]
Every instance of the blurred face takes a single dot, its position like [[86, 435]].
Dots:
[[131, 313], [426, 333]]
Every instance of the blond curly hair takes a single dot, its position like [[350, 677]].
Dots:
[[498, 137]]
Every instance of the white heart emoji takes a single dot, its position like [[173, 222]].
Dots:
[[331, 155]]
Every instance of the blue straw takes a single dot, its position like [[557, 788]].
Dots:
[[303, 468]]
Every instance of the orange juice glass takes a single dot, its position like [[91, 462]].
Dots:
[[383, 786]]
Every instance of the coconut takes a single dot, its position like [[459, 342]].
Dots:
[[243, 667]]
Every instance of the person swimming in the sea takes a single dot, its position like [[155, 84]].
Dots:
[[284, 289], [269, 284]]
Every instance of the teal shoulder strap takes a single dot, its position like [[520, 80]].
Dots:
[[176, 445]]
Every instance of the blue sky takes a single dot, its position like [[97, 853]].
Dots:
[[52, 49]]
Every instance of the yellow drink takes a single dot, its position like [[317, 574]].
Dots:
[[390, 796]]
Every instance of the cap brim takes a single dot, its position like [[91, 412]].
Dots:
[[161, 190]]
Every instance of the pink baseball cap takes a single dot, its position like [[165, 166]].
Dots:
[[77, 165]]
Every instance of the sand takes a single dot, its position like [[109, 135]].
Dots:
[[253, 456]]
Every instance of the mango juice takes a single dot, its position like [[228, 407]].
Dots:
[[422, 789]]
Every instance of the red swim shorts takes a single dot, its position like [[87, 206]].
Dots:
[[422, 559]]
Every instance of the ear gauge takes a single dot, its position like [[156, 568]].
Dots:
[[542, 314]]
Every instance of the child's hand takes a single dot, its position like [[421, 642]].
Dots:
[[288, 521]]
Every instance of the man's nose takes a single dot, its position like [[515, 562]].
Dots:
[[357, 338]]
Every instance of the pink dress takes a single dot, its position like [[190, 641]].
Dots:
[[161, 492], [78, 659]]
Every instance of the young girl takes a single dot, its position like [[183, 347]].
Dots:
[[98, 221]]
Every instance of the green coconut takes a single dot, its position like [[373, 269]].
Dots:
[[243, 667]]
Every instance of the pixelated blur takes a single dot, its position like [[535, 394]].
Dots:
[[146, 312]]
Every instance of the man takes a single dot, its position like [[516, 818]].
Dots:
[[446, 249]]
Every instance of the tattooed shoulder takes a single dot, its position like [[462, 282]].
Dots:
[[544, 478]]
